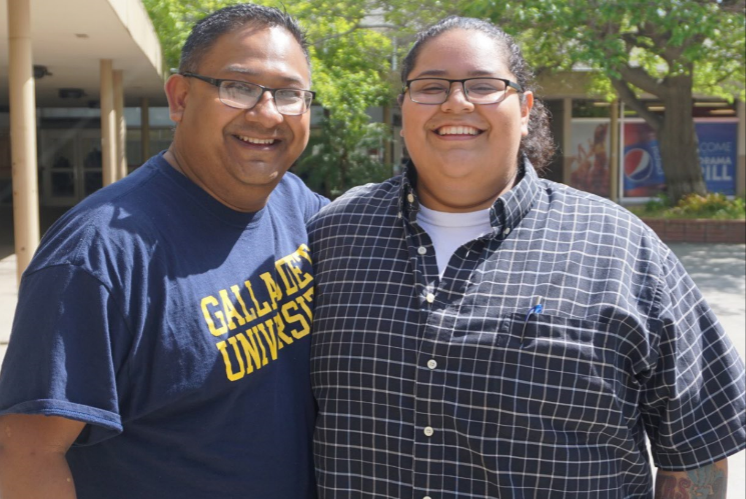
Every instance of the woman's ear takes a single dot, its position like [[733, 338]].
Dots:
[[526, 105]]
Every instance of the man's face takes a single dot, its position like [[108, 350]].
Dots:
[[215, 144]]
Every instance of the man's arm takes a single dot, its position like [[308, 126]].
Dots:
[[32, 456], [709, 481]]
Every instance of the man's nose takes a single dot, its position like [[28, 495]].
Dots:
[[265, 111]]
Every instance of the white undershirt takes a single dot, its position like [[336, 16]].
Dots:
[[450, 231]]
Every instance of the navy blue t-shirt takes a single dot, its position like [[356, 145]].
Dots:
[[178, 329]]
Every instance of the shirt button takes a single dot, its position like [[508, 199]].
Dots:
[[422, 250], [410, 198], [506, 231], [430, 298], [428, 431], [432, 363]]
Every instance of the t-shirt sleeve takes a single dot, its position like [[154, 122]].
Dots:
[[314, 202], [61, 355], [693, 405]]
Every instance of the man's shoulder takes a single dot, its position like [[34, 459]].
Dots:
[[293, 194], [115, 216]]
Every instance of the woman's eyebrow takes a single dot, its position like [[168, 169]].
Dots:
[[441, 72]]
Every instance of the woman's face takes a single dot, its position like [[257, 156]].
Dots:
[[464, 168]]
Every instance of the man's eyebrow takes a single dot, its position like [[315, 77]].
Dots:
[[289, 80]]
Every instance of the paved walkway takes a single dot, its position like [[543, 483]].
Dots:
[[718, 269]]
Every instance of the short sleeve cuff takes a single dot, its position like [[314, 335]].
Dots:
[[104, 424], [692, 459]]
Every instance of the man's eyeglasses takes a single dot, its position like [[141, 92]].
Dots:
[[245, 95], [476, 90]]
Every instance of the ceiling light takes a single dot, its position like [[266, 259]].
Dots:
[[71, 93], [711, 104]]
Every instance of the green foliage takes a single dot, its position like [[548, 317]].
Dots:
[[351, 67], [711, 206], [664, 38]]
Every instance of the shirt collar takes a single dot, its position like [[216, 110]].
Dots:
[[508, 210]]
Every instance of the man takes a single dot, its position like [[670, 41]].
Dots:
[[481, 332], [160, 345]]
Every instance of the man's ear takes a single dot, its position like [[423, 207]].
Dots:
[[400, 99], [177, 91]]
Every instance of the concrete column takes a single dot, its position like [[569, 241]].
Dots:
[[145, 129], [614, 153], [23, 134], [108, 124], [741, 158], [567, 156], [121, 124]]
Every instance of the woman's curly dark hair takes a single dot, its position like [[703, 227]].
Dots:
[[538, 145]]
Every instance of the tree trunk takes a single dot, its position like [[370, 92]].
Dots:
[[678, 141]]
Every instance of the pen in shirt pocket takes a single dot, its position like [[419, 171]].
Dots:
[[536, 309]]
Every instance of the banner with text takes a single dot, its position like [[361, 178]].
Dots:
[[643, 169]]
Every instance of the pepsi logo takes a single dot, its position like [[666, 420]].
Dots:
[[638, 165]]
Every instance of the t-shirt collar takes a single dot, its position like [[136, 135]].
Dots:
[[507, 211], [204, 200]]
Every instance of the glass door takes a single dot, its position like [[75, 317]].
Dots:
[[57, 165], [91, 177], [69, 165]]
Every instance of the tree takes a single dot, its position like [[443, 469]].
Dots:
[[667, 48], [351, 73]]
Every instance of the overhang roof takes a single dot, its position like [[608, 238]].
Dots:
[[70, 38]]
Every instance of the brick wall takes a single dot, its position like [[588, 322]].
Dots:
[[699, 231]]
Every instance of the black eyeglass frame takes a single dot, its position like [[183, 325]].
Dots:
[[272, 91], [508, 84]]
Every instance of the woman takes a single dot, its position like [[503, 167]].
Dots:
[[480, 332]]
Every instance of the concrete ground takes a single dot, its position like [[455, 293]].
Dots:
[[718, 269]]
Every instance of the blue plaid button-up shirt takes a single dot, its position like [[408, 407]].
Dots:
[[533, 368]]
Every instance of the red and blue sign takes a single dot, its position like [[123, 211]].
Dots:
[[643, 168]]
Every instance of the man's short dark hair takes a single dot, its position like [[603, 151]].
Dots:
[[226, 20]]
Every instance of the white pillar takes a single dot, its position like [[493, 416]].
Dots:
[[23, 134], [108, 124], [121, 124]]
